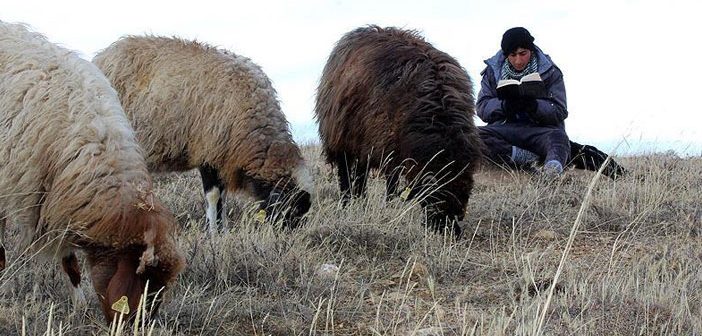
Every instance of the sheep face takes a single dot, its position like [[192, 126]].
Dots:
[[120, 272], [444, 199], [441, 218], [119, 281], [283, 200], [290, 204]]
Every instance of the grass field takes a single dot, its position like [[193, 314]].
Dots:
[[627, 260]]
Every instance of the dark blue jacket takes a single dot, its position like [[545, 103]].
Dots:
[[551, 111]]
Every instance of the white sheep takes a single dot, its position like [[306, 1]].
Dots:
[[197, 106], [73, 176]]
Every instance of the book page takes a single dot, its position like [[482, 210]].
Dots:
[[504, 82], [532, 77]]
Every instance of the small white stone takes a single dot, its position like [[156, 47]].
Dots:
[[431, 331], [328, 270]]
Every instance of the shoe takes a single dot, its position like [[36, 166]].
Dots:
[[552, 170]]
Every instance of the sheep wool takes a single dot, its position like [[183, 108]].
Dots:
[[72, 174], [389, 100], [197, 106]]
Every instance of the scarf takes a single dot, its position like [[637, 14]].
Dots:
[[509, 72]]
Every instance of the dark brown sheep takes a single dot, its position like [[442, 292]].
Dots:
[[389, 100]]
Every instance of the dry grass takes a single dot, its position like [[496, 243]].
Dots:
[[371, 268]]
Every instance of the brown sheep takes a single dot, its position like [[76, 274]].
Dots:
[[197, 106], [388, 99], [72, 175]]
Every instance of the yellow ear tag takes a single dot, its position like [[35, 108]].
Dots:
[[260, 216], [405, 194], [121, 305]]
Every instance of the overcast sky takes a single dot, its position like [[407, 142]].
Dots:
[[625, 63]]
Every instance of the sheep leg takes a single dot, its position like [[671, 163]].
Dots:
[[360, 179], [352, 177], [214, 194], [344, 171], [72, 269], [2, 242]]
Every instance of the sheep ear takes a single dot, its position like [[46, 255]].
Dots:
[[124, 289], [148, 258]]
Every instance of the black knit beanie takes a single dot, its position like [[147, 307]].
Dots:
[[515, 38]]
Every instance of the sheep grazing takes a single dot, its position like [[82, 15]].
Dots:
[[72, 175], [388, 99], [196, 106]]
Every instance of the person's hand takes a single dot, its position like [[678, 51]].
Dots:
[[509, 109], [529, 105], [520, 105]]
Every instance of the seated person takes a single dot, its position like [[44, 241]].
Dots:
[[525, 131], [535, 124]]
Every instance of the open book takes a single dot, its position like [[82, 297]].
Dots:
[[530, 86]]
